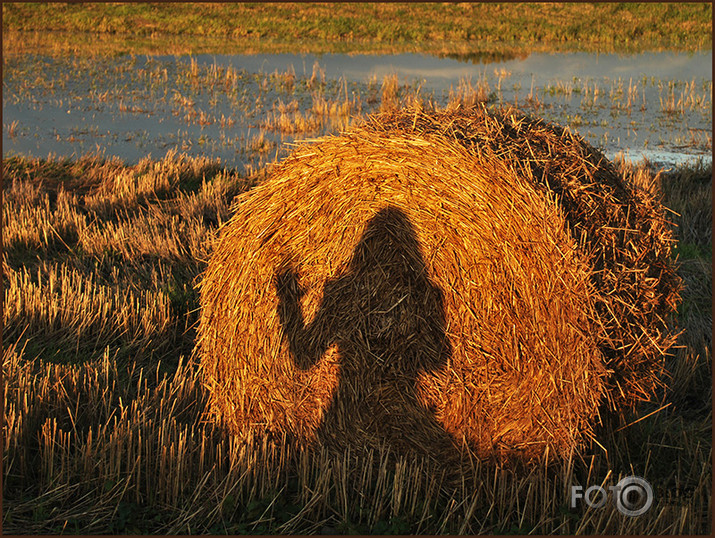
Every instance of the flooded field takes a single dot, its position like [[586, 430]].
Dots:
[[247, 109]]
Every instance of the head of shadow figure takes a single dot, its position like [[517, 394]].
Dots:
[[386, 319]]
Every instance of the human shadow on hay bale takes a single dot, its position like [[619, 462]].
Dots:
[[387, 320]]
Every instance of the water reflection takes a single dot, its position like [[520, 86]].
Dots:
[[484, 57]]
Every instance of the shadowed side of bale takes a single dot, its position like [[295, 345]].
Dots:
[[621, 231], [388, 287]]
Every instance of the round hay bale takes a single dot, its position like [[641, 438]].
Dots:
[[435, 280]]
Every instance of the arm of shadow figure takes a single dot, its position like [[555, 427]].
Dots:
[[306, 342]]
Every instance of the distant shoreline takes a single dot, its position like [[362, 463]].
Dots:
[[383, 28]]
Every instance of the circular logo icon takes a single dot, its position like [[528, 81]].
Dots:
[[634, 496]]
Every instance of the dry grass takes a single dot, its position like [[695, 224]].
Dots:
[[104, 412], [468, 94], [337, 114], [117, 451], [95, 251], [334, 115], [677, 98]]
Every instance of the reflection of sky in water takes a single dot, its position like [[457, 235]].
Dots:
[[138, 120], [441, 72]]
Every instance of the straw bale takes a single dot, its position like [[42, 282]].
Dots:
[[433, 280]]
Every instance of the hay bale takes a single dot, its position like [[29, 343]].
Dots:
[[431, 280]]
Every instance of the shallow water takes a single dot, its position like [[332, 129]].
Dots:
[[653, 105]]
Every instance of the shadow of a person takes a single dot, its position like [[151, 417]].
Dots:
[[387, 319]]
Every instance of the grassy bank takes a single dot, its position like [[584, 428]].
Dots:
[[104, 407], [470, 29]]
